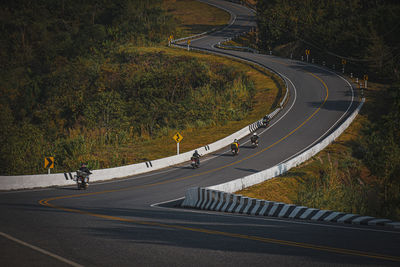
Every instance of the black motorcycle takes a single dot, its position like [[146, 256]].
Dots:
[[254, 142], [82, 179], [265, 123], [195, 162]]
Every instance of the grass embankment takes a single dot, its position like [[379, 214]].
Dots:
[[247, 40], [340, 177], [193, 17], [117, 95], [268, 91]]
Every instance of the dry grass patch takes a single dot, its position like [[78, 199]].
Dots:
[[195, 17]]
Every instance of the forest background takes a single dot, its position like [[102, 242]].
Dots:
[[93, 81], [360, 172]]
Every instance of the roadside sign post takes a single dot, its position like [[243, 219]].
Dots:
[[343, 64], [365, 81], [188, 45], [178, 138], [49, 163], [307, 53], [170, 38]]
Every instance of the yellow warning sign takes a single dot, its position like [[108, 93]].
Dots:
[[177, 137]]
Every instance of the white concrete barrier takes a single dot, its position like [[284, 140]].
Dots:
[[240, 204], [221, 201], [62, 179], [277, 170]]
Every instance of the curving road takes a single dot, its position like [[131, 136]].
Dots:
[[120, 223]]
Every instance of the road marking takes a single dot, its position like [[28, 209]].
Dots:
[[341, 117], [45, 202], [45, 252], [235, 235]]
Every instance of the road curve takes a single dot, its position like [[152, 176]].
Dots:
[[119, 222]]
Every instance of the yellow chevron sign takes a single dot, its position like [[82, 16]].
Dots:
[[49, 162]]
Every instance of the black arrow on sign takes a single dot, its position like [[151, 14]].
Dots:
[[49, 163]]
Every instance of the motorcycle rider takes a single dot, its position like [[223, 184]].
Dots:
[[197, 156], [235, 145], [265, 120], [254, 138], [85, 170]]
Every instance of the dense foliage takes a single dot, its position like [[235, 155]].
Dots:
[[380, 150], [365, 33], [73, 81]]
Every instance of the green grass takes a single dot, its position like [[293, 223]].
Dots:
[[247, 40], [194, 17], [268, 92]]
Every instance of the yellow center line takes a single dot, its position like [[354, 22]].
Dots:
[[212, 170], [45, 202], [233, 235]]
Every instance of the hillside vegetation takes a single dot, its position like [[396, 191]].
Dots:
[[77, 84], [364, 33], [359, 172]]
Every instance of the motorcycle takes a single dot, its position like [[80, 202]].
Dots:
[[265, 122], [254, 143], [234, 149], [195, 162], [82, 179]]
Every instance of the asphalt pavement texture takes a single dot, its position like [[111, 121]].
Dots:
[[122, 223]]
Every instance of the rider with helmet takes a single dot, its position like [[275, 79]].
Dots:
[[254, 138], [84, 168], [235, 146], [197, 156], [265, 120], [83, 175]]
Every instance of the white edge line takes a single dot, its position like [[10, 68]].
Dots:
[[40, 250], [334, 125], [160, 203]]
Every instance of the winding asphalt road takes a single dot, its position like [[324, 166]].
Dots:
[[121, 223]]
